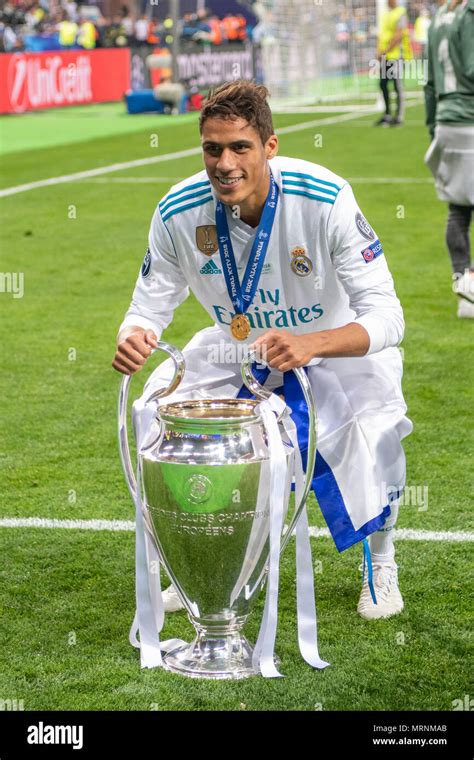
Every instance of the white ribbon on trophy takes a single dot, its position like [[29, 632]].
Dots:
[[306, 606], [149, 616]]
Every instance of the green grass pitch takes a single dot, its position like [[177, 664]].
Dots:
[[67, 596]]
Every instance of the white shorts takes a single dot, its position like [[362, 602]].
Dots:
[[450, 159], [360, 465]]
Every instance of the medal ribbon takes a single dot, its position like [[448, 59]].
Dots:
[[243, 295]]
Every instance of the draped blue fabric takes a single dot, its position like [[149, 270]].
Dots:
[[324, 483]]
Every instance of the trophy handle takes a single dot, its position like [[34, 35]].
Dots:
[[258, 390], [179, 367]]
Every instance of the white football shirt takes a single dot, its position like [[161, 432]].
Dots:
[[324, 266]]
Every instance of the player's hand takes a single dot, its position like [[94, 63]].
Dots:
[[284, 351], [134, 346]]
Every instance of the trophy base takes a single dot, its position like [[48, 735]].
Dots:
[[218, 657]]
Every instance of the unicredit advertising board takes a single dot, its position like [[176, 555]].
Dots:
[[48, 80]]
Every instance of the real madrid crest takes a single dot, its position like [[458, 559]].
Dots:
[[300, 263], [206, 239]]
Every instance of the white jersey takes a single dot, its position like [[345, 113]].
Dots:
[[324, 268], [324, 265]]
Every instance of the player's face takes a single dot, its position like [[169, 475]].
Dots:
[[236, 160]]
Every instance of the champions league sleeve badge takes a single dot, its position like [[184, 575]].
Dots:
[[300, 263], [364, 227], [372, 252], [206, 239], [146, 266]]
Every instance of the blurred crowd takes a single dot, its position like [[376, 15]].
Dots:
[[360, 23], [65, 24], [341, 25]]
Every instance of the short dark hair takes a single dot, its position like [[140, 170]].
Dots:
[[243, 99]]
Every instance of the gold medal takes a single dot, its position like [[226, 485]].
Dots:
[[240, 326]]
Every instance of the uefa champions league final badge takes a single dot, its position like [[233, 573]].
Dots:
[[243, 294]]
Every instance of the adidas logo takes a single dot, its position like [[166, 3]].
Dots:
[[210, 268]]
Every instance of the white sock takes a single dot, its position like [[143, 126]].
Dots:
[[381, 542]]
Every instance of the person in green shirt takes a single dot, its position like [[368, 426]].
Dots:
[[449, 102]]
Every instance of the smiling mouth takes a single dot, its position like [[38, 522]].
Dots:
[[228, 182]]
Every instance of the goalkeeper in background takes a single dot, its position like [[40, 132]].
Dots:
[[393, 48], [449, 99]]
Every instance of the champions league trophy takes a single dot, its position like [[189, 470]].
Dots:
[[206, 476]]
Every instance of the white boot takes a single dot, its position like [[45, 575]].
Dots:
[[171, 600], [465, 309], [464, 286], [387, 593]]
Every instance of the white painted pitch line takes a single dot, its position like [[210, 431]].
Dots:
[[96, 172], [323, 109], [402, 534], [352, 180], [345, 109], [44, 522], [391, 180], [407, 534], [331, 105], [165, 157], [321, 122], [407, 123], [179, 154], [130, 180]]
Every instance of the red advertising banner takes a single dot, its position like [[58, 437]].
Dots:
[[31, 81]]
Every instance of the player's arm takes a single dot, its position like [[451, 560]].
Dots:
[[159, 289], [466, 33], [397, 37], [431, 97], [284, 351], [362, 269], [367, 281], [134, 346]]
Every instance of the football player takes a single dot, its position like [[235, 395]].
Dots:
[[279, 254], [449, 98]]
